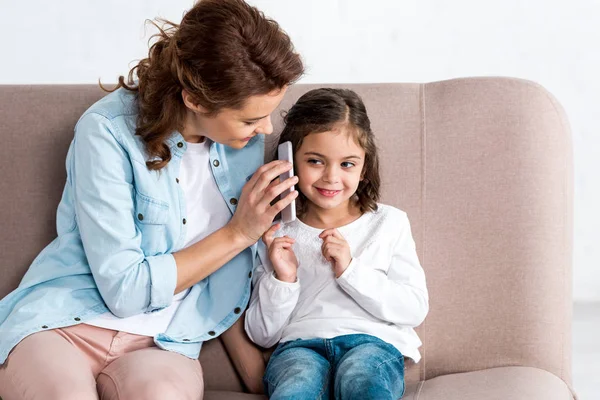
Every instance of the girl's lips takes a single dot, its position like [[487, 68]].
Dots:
[[328, 193]]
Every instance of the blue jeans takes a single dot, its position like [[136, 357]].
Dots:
[[343, 368]]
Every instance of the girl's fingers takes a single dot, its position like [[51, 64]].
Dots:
[[338, 235], [269, 234], [332, 232], [330, 250], [325, 233], [282, 240], [333, 239]]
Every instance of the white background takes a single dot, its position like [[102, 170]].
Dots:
[[555, 43]]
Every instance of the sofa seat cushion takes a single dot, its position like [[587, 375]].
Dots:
[[514, 383]]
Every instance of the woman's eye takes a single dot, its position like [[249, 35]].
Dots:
[[250, 122], [347, 164]]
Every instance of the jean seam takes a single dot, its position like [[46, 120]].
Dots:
[[325, 384], [389, 361]]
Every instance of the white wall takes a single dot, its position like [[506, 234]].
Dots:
[[556, 43]]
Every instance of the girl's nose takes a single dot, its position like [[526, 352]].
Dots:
[[330, 175]]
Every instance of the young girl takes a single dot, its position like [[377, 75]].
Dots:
[[342, 288]]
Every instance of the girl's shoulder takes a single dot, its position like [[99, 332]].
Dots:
[[389, 215]]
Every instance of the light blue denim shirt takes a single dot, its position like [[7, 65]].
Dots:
[[118, 224]]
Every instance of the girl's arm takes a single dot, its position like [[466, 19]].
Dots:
[[271, 304], [400, 296]]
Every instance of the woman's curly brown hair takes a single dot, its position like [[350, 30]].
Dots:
[[222, 53]]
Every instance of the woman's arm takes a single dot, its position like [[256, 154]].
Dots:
[[101, 176], [253, 216], [131, 283]]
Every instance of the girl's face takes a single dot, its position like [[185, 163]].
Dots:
[[329, 168]]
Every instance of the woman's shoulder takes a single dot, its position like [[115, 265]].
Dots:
[[113, 114], [116, 104]]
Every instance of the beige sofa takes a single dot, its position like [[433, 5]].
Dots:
[[482, 166]]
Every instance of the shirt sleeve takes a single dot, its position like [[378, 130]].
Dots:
[[271, 304], [101, 176], [399, 296]]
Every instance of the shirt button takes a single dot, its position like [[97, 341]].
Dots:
[[140, 217], [250, 274], [212, 333], [44, 326], [177, 180], [77, 319], [216, 163], [180, 144], [184, 221], [237, 310], [233, 201]]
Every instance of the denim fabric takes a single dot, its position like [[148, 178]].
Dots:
[[360, 367]]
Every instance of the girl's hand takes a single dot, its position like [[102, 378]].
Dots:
[[281, 255], [336, 250], [254, 213]]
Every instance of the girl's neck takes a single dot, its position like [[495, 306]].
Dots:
[[331, 218]]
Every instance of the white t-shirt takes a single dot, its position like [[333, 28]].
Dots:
[[206, 212], [382, 292]]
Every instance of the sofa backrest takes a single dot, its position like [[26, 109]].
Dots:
[[482, 166]]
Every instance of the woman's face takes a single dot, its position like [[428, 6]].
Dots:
[[234, 128]]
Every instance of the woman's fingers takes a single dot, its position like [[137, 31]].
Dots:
[[272, 191], [281, 204], [265, 174]]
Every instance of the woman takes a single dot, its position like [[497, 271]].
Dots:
[[159, 219]]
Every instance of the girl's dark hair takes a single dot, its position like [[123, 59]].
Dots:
[[222, 53], [321, 110]]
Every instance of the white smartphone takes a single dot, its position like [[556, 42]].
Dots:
[[284, 152]]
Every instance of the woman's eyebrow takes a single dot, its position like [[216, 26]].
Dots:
[[254, 119]]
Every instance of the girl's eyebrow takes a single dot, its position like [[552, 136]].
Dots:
[[314, 153]]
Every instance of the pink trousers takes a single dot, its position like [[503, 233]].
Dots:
[[84, 362]]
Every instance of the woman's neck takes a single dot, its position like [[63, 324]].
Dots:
[[331, 218], [190, 131]]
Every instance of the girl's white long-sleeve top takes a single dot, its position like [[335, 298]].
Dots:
[[382, 293]]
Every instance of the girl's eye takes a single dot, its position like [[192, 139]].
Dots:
[[347, 164], [313, 161]]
